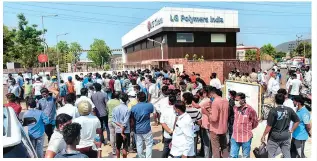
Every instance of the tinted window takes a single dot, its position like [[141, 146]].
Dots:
[[185, 37]]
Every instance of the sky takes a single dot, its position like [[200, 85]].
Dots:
[[260, 23]]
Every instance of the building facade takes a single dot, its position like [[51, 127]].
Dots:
[[174, 33]]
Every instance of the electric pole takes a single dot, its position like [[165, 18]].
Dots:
[[298, 40]]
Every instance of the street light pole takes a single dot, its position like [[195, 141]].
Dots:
[[48, 61], [161, 44], [57, 66]]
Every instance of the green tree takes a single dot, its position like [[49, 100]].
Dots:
[[23, 44], [64, 56], [101, 53], [280, 55], [250, 55], [107, 67], [8, 45], [268, 49], [303, 47], [74, 48]]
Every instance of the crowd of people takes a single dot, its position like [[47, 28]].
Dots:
[[75, 114]]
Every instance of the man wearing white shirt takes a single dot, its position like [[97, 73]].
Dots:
[[273, 86], [183, 134], [215, 82], [168, 120], [308, 76], [78, 86], [162, 103], [294, 86], [69, 108], [84, 97], [37, 86]]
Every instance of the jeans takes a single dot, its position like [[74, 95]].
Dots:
[[272, 148], [166, 148], [49, 129], [148, 138], [235, 148], [109, 94], [38, 146], [112, 128], [298, 148], [132, 140], [104, 125], [206, 141]]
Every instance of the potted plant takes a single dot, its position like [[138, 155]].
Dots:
[[186, 56], [194, 57]]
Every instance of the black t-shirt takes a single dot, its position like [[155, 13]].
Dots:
[[279, 119]]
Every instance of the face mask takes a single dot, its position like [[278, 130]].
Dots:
[[237, 103], [212, 99]]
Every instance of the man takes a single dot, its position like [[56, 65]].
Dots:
[[117, 85], [140, 117], [20, 82], [299, 75], [107, 86], [70, 85], [183, 133], [273, 72], [161, 104], [288, 103], [195, 114], [91, 129], [36, 130], [71, 135], [47, 82], [100, 100], [35, 76], [12, 103], [253, 76], [275, 67], [218, 119], [84, 97], [215, 82], [308, 76], [48, 105], [245, 120], [57, 143], [232, 98], [279, 76], [154, 98], [69, 107], [260, 73], [27, 87], [294, 87], [273, 86], [121, 118], [303, 131], [278, 122], [111, 104], [168, 119], [78, 86], [16, 90]]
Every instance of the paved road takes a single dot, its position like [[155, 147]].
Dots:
[[157, 149]]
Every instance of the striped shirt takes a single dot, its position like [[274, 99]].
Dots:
[[194, 113], [245, 120]]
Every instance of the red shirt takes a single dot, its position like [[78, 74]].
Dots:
[[16, 107], [245, 120], [111, 85], [218, 117], [193, 78]]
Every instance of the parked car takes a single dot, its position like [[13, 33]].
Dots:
[[283, 65], [16, 142]]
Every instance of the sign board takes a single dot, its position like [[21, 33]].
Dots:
[[42, 58], [252, 92]]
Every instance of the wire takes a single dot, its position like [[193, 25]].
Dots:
[[139, 8], [276, 4]]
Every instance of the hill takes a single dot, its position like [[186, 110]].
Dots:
[[284, 46]]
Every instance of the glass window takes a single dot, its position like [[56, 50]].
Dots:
[[218, 38], [185, 37]]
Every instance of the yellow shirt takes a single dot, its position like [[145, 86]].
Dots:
[[132, 103]]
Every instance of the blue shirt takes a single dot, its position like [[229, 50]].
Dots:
[[121, 115], [48, 106], [20, 81], [141, 116], [85, 81], [300, 132], [73, 154], [165, 75], [36, 130]]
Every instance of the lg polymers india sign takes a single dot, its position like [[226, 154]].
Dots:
[[193, 19]]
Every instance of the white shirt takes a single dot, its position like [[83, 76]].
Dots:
[[57, 143], [78, 87], [295, 83], [288, 83], [298, 75], [161, 104], [215, 83], [308, 76], [68, 109], [275, 68], [117, 86], [37, 88], [35, 76], [153, 90], [273, 85], [183, 137], [290, 103], [47, 84], [89, 125], [84, 98], [168, 117]]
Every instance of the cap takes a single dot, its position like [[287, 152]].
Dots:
[[84, 108], [54, 77]]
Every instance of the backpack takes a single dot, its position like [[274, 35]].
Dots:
[[261, 151]]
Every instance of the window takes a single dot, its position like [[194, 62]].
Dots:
[[218, 38], [185, 37]]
